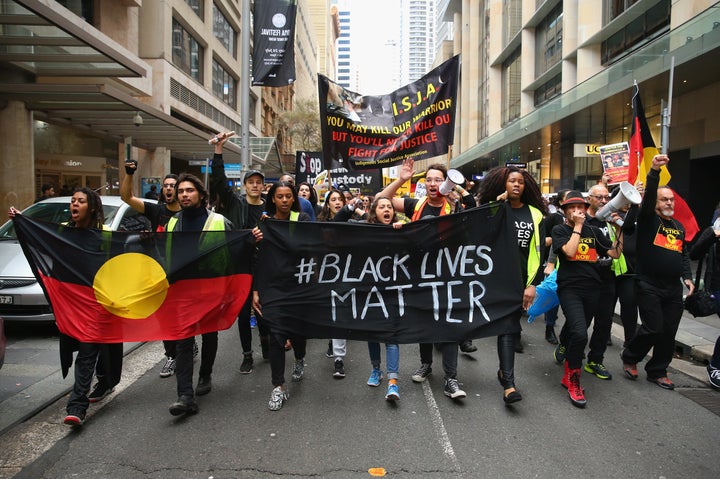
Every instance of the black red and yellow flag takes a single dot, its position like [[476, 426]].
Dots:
[[642, 151], [110, 287]]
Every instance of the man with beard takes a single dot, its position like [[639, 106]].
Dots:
[[159, 214], [662, 259], [195, 216]]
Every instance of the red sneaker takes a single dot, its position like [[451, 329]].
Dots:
[[577, 395]]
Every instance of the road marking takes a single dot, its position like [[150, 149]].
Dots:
[[443, 437]]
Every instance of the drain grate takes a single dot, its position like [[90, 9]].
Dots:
[[707, 398]]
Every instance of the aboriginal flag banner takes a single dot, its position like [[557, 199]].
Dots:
[[416, 121], [447, 278], [111, 287], [273, 60]]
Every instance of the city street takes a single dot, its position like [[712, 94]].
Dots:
[[343, 428]]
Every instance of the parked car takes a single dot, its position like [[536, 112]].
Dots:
[[21, 296], [3, 341]]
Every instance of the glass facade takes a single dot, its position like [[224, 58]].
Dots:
[[548, 41], [223, 31], [638, 32], [224, 86], [187, 54], [511, 88]]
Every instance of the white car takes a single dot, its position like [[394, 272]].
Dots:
[[21, 297]]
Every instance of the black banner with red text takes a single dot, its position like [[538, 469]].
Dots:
[[416, 121]]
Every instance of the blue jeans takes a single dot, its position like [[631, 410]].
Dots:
[[392, 357]]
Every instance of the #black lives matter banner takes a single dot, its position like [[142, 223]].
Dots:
[[273, 60], [443, 279], [416, 121]]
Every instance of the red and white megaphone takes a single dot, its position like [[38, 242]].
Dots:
[[454, 178]]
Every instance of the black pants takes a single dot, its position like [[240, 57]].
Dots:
[[602, 321], [243, 322], [449, 357], [625, 293], [277, 356], [660, 313], [105, 361], [184, 361], [579, 305]]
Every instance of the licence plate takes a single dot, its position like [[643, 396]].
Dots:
[[6, 300]]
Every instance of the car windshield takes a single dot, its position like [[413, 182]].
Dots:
[[53, 213]]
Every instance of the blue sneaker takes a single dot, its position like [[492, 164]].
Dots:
[[375, 377], [393, 393]]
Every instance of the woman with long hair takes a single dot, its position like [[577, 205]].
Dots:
[[282, 204], [519, 191], [334, 201], [305, 190]]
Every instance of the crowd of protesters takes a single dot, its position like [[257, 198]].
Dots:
[[638, 255]]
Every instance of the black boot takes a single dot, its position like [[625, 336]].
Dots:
[[467, 346], [550, 336]]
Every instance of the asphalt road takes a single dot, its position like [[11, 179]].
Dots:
[[343, 428]]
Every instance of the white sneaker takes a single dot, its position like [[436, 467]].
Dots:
[[277, 397]]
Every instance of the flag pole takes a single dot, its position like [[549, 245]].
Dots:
[[245, 89], [666, 112]]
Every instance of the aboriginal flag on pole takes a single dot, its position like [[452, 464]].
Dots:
[[642, 151], [365, 132], [442, 279], [111, 287], [273, 60]]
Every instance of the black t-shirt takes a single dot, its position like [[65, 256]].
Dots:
[[254, 214], [429, 210], [604, 262], [581, 271], [550, 222], [158, 214]]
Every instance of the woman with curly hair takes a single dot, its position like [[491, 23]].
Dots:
[[520, 193]]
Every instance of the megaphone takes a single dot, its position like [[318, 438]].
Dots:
[[627, 195], [454, 177]]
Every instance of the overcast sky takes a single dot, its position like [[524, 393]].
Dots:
[[374, 24]]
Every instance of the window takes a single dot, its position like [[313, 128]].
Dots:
[[548, 41], [638, 32], [223, 31], [548, 90], [187, 54], [82, 8], [614, 8], [197, 6], [512, 19], [511, 88], [224, 86]]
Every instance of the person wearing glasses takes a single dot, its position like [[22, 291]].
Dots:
[[662, 260], [598, 196], [434, 204]]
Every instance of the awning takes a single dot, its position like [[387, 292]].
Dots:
[[107, 111], [45, 39]]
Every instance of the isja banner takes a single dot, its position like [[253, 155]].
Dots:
[[273, 59], [416, 121], [447, 278], [111, 287]]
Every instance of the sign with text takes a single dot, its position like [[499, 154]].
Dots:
[[441, 279], [273, 60], [308, 167], [416, 121]]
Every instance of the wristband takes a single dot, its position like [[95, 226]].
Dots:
[[576, 233], [128, 170]]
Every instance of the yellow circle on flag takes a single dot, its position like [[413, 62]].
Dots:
[[131, 285]]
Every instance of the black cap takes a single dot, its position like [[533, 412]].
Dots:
[[343, 187], [251, 173]]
